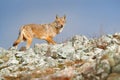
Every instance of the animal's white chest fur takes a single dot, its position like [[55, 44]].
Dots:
[[61, 30]]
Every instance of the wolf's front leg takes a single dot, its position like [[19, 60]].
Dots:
[[50, 41]]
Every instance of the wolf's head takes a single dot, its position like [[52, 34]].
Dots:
[[60, 21]]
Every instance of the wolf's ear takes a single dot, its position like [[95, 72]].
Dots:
[[64, 16], [56, 16]]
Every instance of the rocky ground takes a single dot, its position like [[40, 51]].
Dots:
[[79, 58]]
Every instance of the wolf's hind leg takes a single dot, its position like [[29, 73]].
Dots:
[[29, 41]]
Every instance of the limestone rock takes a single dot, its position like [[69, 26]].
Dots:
[[79, 58]]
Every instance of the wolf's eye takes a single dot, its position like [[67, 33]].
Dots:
[[58, 21]]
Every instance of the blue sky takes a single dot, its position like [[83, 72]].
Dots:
[[84, 17]]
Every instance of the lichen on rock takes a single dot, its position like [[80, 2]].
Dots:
[[79, 58]]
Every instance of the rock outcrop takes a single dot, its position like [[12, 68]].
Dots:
[[79, 58]]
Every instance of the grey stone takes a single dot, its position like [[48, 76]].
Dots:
[[95, 59]]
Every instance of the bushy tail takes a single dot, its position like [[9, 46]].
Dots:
[[19, 39]]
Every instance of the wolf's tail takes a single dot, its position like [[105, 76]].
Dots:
[[19, 39]]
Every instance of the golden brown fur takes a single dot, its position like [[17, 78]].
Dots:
[[40, 31]]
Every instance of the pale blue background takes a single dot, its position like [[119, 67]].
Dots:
[[84, 17]]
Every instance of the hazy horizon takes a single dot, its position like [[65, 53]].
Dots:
[[84, 17]]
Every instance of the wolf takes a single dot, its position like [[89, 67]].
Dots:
[[40, 31]]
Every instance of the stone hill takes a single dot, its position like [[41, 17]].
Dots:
[[79, 58]]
